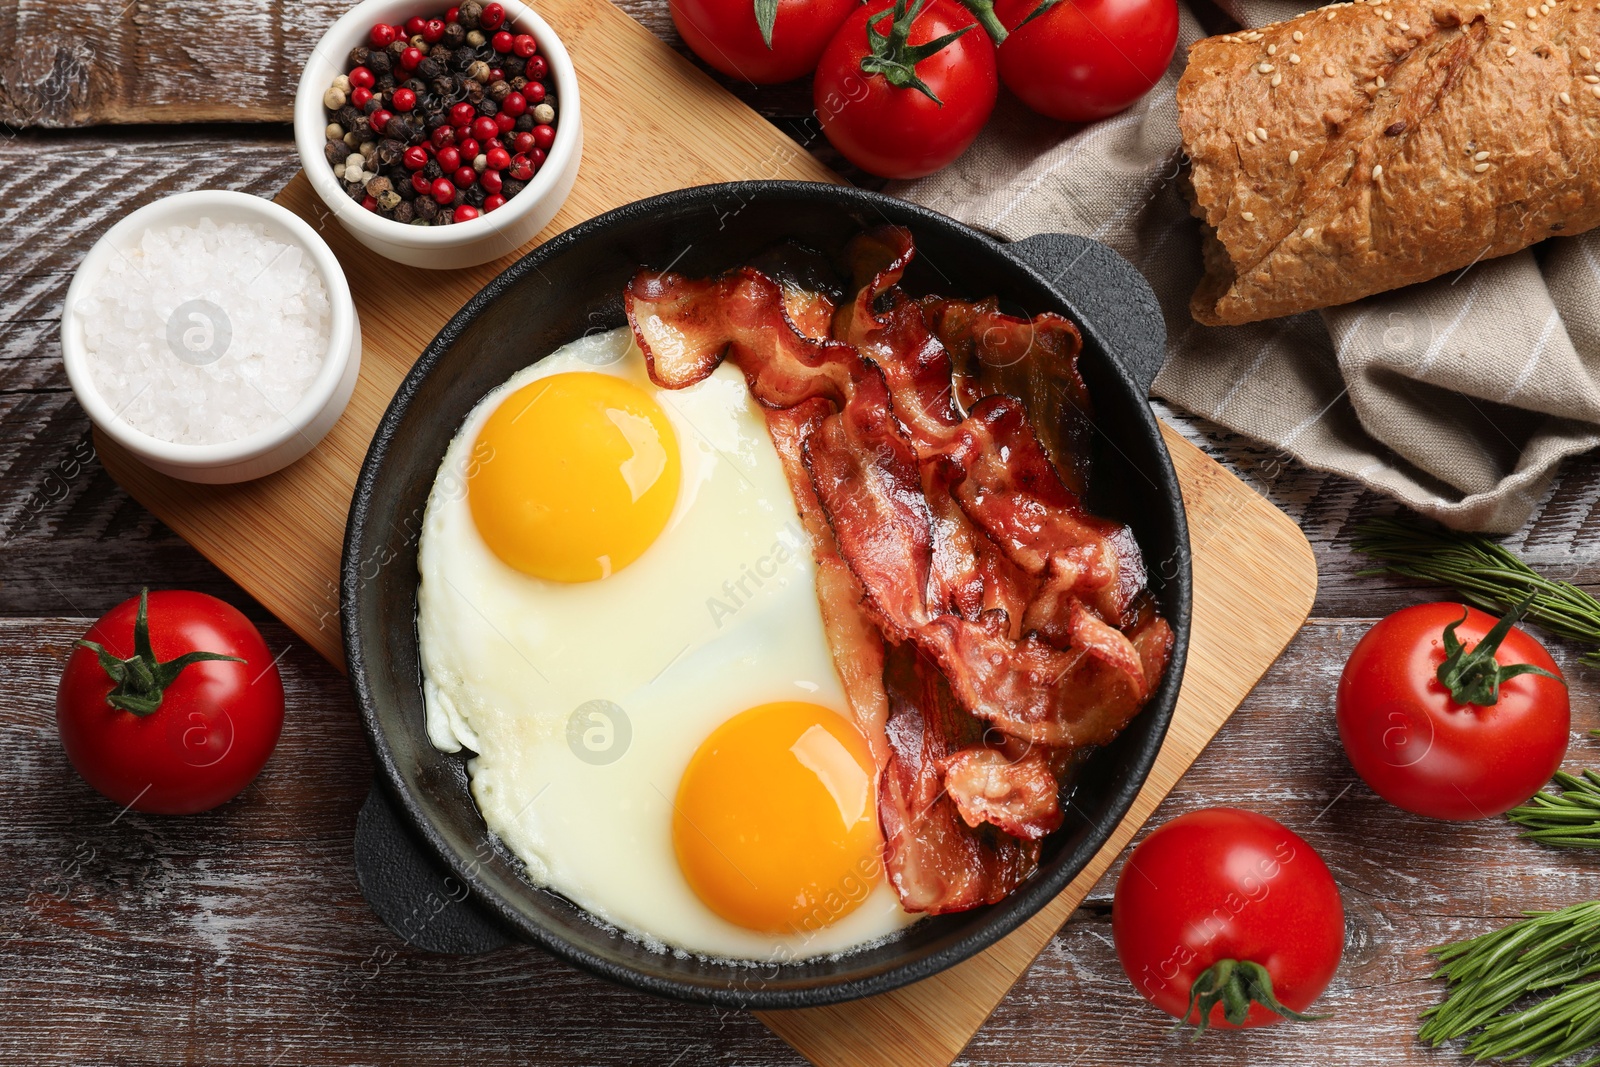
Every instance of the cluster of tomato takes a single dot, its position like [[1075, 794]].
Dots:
[[902, 87], [1226, 918]]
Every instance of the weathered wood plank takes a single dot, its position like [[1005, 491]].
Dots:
[[94, 62], [240, 937]]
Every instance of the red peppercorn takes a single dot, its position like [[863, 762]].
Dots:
[[444, 136], [537, 157], [369, 203], [422, 184], [433, 32], [492, 202], [493, 15], [501, 41], [404, 99], [520, 169], [499, 158], [536, 69], [504, 123], [360, 95], [449, 159], [452, 14], [411, 58], [524, 45], [469, 149], [381, 36], [465, 177], [361, 78], [491, 180], [462, 114], [466, 212], [485, 128], [544, 136], [443, 190], [522, 143], [415, 157], [379, 119], [514, 104], [496, 74], [414, 25], [533, 92]]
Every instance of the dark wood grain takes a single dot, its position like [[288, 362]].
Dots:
[[240, 936]]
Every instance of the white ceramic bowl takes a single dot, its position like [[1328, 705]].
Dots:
[[302, 427], [463, 244]]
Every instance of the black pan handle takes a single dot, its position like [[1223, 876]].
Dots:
[[1109, 293], [411, 891]]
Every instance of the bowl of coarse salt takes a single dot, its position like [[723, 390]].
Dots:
[[212, 335]]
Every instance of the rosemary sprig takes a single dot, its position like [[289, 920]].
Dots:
[[1486, 574], [1551, 956], [1568, 819]]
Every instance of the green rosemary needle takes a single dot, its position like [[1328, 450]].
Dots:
[[1486, 574], [1552, 957], [1568, 819]]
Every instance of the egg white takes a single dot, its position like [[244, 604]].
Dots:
[[718, 615]]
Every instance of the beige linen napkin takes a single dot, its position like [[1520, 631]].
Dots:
[[1459, 396]]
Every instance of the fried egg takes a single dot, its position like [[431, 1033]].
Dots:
[[618, 618]]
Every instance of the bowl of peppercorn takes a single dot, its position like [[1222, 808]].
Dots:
[[440, 137]]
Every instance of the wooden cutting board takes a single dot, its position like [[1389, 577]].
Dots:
[[655, 123]]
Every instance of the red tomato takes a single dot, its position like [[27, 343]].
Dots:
[[1085, 59], [185, 729], [899, 130], [1227, 894], [1452, 753], [726, 34]]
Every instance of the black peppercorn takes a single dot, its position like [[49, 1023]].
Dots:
[[460, 197], [435, 119], [430, 68], [336, 151], [469, 13], [374, 104], [475, 195], [524, 123], [402, 182], [445, 217], [347, 116], [401, 130], [397, 46], [425, 208], [498, 91], [380, 63], [454, 34], [383, 84], [404, 212], [416, 85], [473, 91], [432, 171], [356, 191], [390, 150], [518, 83], [511, 187], [488, 107], [359, 55], [513, 65]]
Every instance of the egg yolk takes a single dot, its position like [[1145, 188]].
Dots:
[[573, 476], [775, 824]]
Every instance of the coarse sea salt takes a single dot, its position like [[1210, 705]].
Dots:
[[206, 334]]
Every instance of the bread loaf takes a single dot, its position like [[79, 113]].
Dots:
[[1361, 147]]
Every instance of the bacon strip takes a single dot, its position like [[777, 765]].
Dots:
[[958, 573]]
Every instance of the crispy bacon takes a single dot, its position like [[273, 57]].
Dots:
[[960, 579], [937, 861], [1018, 794]]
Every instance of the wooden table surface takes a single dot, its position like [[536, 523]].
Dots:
[[240, 937]]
